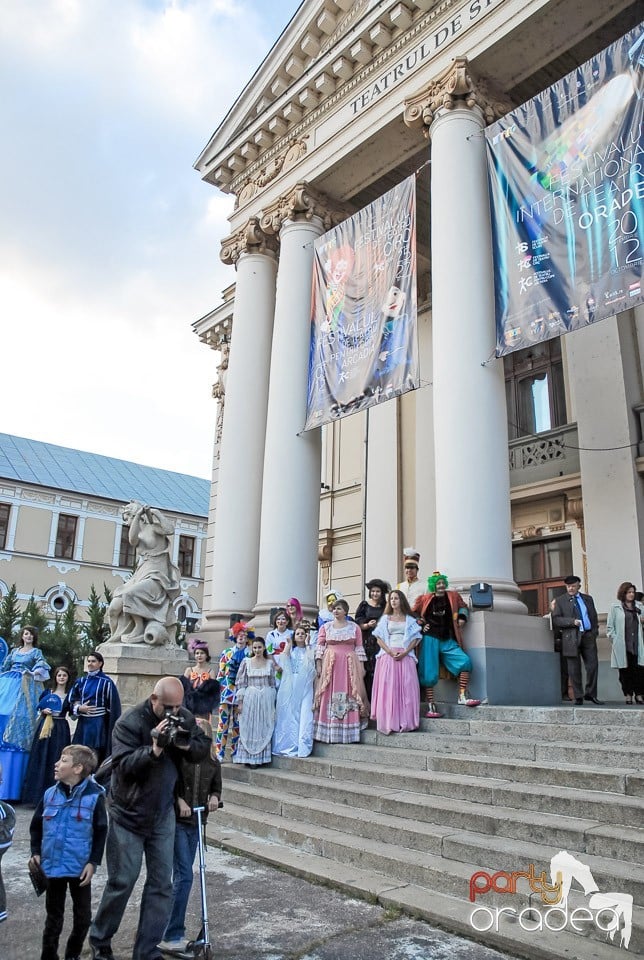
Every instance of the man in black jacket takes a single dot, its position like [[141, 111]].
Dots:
[[146, 753], [575, 615]]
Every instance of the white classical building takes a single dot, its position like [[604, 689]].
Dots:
[[354, 97]]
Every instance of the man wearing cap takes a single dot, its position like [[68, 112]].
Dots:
[[575, 615], [411, 586]]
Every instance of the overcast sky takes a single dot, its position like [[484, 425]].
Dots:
[[109, 240]]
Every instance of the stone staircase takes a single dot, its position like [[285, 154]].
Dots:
[[407, 819]]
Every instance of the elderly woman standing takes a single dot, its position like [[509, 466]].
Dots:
[[341, 705], [624, 629]]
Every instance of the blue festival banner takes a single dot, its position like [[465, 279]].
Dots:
[[364, 342], [566, 173]]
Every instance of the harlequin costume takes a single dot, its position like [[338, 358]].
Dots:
[[442, 616], [229, 663]]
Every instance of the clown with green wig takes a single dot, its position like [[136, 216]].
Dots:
[[442, 614]]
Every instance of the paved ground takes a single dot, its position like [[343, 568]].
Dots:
[[256, 912]]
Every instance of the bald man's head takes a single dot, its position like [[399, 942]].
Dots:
[[167, 695]]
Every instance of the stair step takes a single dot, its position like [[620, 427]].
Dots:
[[478, 725], [264, 792], [595, 754], [566, 801], [437, 906]]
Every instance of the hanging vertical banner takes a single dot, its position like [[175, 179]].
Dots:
[[364, 344], [566, 175]]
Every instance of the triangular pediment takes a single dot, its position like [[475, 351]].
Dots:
[[320, 53]]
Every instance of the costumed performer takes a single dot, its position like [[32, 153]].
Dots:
[[22, 678], [340, 701], [229, 662], [367, 616], [50, 739], [293, 736], [95, 703], [395, 704], [255, 699], [442, 614], [201, 689]]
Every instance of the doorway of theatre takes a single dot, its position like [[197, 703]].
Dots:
[[539, 570]]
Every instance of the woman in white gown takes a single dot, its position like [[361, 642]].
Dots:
[[255, 699], [293, 735]]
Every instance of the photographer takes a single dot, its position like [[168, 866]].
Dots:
[[148, 744]]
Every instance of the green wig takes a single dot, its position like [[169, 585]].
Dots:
[[433, 580]]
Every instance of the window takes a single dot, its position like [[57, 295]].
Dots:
[[539, 569], [65, 537], [4, 524], [534, 386], [127, 552], [186, 555]]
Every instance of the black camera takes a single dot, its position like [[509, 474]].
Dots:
[[174, 733]]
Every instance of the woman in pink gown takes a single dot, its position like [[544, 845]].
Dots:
[[395, 700], [341, 706]]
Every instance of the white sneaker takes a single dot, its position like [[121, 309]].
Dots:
[[173, 946]]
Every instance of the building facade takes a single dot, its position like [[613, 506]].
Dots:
[[61, 529], [516, 472]]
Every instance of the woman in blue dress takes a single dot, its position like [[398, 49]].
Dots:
[[22, 678], [50, 739]]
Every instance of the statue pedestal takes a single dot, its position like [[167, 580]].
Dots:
[[135, 668]]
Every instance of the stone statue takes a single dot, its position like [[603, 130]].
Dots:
[[219, 390], [141, 610]]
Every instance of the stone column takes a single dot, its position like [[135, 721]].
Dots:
[[236, 535], [288, 551], [473, 531]]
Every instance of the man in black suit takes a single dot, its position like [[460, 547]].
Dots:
[[576, 617]]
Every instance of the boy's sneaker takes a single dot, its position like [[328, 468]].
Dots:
[[173, 946]]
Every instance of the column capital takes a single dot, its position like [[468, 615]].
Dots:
[[303, 202], [250, 238], [456, 86]]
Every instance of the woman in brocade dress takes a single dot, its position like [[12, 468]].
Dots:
[[293, 735], [255, 698], [395, 705], [340, 702], [50, 739], [22, 677]]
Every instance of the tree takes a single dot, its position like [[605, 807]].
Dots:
[[33, 615], [96, 630], [9, 614]]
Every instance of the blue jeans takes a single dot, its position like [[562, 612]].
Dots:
[[186, 838], [124, 857]]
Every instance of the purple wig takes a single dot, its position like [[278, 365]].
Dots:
[[294, 602]]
